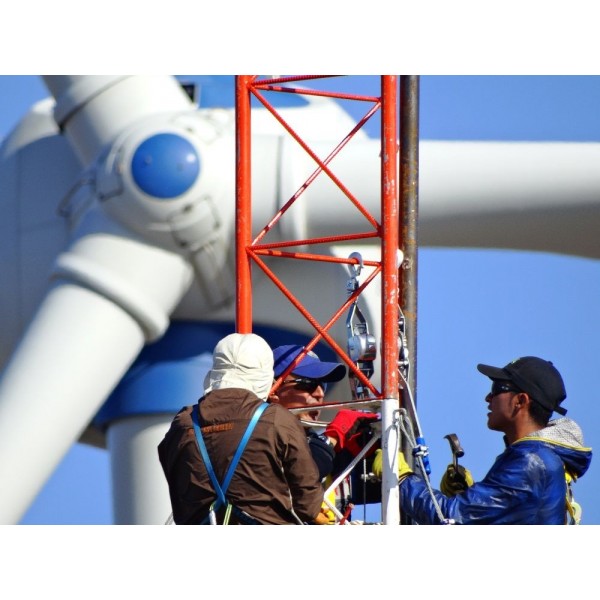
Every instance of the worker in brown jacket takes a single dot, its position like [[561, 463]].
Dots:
[[275, 481]]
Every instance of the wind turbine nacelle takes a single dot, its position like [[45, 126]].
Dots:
[[162, 180]]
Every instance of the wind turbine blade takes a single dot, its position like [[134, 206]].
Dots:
[[75, 351]]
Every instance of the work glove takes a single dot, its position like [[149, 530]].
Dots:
[[348, 428], [403, 469], [322, 519], [455, 482]]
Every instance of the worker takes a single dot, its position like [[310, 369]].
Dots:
[[529, 483], [275, 481], [305, 386]]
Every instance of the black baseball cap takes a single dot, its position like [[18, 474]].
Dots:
[[537, 377]]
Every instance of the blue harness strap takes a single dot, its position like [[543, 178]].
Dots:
[[222, 489]]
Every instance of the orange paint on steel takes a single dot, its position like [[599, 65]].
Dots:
[[323, 329], [248, 251], [389, 237], [260, 251], [322, 164], [243, 212], [332, 239]]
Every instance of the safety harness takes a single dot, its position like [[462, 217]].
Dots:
[[221, 489], [573, 508]]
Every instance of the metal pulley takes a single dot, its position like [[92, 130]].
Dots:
[[362, 346], [403, 358]]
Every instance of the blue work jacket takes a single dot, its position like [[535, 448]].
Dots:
[[525, 486]]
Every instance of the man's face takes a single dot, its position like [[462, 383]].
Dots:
[[296, 392], [501, 405]]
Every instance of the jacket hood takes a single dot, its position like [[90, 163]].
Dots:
[[565, 437], [241, 361]]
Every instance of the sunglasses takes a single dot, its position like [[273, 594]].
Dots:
[[307, 385], [499, 388]]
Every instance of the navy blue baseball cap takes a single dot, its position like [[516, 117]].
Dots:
[[536, 376], [311, 366]]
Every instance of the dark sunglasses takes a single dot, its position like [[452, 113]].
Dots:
[[499, 388], [307, 385]]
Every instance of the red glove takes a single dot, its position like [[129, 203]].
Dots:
[[348, 428]]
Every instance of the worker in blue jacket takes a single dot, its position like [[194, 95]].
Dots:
[[529, 484]]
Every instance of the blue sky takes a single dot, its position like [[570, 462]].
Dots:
[[475, 306]]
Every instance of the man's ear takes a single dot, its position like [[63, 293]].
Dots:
[[523, 399]]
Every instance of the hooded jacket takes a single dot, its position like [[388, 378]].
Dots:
[[525, 486], [276, 480]]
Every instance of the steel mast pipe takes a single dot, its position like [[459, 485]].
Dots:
[[390, 497], [409, 172], [243, 208], [409, 186]]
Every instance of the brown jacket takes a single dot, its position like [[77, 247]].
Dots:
[[275, 473]]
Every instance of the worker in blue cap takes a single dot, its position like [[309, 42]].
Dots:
[[305, 386]]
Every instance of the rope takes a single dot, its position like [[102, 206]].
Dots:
[[418, 442], [407, 430], [412, 404]]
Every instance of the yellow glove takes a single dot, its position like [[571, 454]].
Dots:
[[454, 482], [403, 469], [325, 507], [322, 519]]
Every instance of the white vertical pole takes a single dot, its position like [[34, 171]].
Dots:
[[390, 493]]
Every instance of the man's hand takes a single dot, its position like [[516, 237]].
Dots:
[[403, 469], [348, 428], [455, 482]]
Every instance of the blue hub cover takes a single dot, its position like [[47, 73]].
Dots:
[[165, 165]]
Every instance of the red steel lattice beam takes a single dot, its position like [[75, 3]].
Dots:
[[249, 251]]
